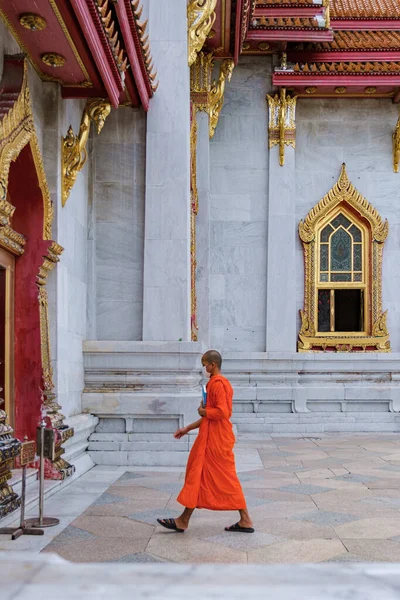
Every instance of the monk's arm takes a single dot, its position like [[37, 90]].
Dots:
[[221, 410], [194, 425]]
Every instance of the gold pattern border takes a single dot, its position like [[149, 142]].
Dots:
[[378, 338]]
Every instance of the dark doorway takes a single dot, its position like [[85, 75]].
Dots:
[[349, 310]]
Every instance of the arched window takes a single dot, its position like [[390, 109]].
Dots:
[[343, 241]]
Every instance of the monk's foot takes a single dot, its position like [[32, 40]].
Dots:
[[172, 524], [245, 523], [182, 523]]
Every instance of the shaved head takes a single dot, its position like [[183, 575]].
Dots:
[[212, 356]]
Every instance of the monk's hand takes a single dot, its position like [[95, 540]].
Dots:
[[201, 410], [180, 433]]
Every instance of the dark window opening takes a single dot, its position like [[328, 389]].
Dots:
[[348, 310], [340, 310]]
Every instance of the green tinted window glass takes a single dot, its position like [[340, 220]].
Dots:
[[341, 251]]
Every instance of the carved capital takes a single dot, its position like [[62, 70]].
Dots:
[[200, 81], [282, 122]]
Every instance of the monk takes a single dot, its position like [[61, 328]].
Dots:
[[211, 481]]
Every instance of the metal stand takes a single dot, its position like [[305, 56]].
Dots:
[[16, 532], [42, 521]]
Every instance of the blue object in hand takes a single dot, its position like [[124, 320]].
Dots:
[[204, 394]]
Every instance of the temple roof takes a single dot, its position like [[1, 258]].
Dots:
[[95, 48], [365, 9], [357, 40]]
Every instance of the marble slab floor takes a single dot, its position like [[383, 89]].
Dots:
[[322, 498]]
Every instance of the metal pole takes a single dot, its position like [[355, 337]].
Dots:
[[41, 476], [23, 492]]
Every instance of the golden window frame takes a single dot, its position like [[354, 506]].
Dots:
[[344, 198]]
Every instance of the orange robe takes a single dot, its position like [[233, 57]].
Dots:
[[211, 481]]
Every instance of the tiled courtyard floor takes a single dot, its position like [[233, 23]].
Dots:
[[316, 499]]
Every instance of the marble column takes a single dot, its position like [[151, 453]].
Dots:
[[166, 310], [203, 228], [281, 268]]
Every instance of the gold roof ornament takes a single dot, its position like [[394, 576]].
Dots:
[[201, 17]]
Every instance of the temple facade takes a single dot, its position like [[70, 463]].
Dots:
[[189, 174]]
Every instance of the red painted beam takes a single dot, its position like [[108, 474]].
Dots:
[[347, 56], [365, 24], [304, 11], [130, 47], [295, 35], [85, 20], [283, 78], [238, 30]]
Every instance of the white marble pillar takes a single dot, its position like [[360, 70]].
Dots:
[[281, 267], [166, 310], [203, 228]]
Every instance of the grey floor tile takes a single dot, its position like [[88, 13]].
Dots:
[[128, 475], [140, 557], [253, 501], [107, 498], [151, 516], [243, 477], [326, 518], [305, 489], [244, 541], [72, 534], [356, 478]]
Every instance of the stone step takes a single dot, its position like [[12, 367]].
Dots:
[[322, 427], [174, 446], [139, 458]]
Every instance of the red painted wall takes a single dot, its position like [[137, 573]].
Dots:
[[26, 196]]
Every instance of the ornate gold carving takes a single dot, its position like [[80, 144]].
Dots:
[[217, 93], [200, 81], [311, 90], [9, 450], [396, 147], [341, 89], [33, 22], [73, 155], [194, 208], [282, 125], [201, 17], [16, 130], [52, 59], [343, 192], [370, 90], [60, 468], [327, 13], [264, 46]]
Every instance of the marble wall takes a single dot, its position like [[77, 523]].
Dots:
[[359, 133], [116, 231], [238, 211]]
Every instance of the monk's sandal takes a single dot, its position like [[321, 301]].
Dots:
[[239, 528], [170, 524]]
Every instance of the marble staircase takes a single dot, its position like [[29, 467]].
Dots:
[[327, 422]]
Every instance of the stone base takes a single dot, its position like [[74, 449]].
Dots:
[[143, 391]]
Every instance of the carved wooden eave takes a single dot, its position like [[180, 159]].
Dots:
[[362, 60], [102, 49]]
